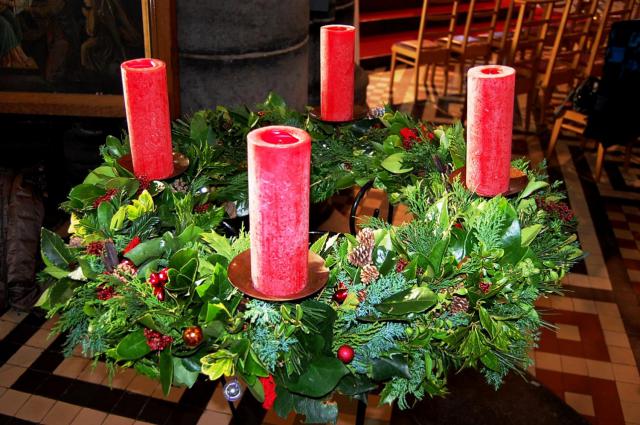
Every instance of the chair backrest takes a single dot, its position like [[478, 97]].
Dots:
[[503, 43], [609, 12], [441, 15], [481, 19], [534, 19], [569, 42]]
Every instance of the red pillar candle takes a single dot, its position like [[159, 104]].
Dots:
[[144, 83], [279, 159], [337, 44], [490, 102]]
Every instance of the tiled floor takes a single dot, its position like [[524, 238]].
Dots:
[[590, 359]]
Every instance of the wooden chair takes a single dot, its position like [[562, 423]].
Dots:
[[427, 51], [610, 11], [576, 122], [501, 40], [560, 62], [476, 39], [533, 21]]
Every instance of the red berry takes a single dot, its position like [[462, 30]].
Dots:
[[154, 279], [345, 354], [163, 276], [401, 265], [159, 293], [340, 295], [485, 287]]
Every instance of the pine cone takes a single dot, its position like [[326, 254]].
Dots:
[[366, 238], [179, 186], [459, 305], [360, 256], [369, 274]]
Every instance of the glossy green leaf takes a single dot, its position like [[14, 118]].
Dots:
[[412, 300], [528, 234], [385, 368], [183, 375], [146, 250], [320, 377], [105, 213], [100, 175], [56, 272], [317, 411], [86, 193], [531, 187], [53, 250], [56, 294], [182, 257], [393, 164], [166, 370], [356, 384], [133, 346]]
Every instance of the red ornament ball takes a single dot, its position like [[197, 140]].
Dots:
[[345, 354], [340, 295], [192, 336], [154, 279]]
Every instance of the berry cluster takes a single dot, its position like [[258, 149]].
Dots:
[[104, 292], [156, 341], [144, 183], [559, 209], [401, 265], [95, 248], [105, 198], [158, 281], [485, 287], [202, 208], [409, 137]]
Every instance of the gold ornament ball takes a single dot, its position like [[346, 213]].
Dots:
[[192, 336]]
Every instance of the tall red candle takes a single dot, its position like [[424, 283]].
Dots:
[[490, 102], [337, 63], [144, 83], [279, 159]]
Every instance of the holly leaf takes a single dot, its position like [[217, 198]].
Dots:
[[412, 300], [53, 250], [133, 346]]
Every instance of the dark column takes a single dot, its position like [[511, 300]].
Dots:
[[235, 52]]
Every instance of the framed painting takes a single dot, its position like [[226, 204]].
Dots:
[[62, 57]]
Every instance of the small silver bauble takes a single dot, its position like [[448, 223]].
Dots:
[[232, 390]]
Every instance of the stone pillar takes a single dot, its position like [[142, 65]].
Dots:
[[235, 52]]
